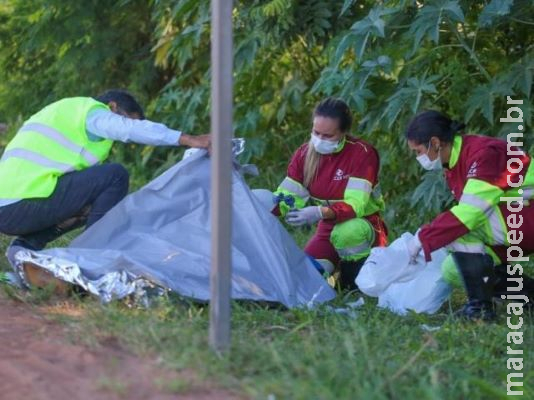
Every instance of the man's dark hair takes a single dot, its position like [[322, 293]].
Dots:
[[335, 109], [125, 101]]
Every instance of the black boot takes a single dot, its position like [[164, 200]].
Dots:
[[478, 276], [348, 271]]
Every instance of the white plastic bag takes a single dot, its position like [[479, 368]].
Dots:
[[400, 285], [423, 294], [386, 265]]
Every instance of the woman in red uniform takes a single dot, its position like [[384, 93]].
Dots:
[[480, 171], [333, 180]]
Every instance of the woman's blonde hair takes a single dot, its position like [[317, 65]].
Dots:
[[330, 108]]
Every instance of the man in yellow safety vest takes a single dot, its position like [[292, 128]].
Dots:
[[52, 175]]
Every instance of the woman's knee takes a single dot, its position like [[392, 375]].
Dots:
[[353, 239], [352, 233]]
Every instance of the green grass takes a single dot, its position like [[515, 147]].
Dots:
[[316, 354]]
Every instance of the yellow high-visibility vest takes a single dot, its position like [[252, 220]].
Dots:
[[51, 143]]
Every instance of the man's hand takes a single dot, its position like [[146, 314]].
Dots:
[[198, 141], [307, 215], [414, 248]]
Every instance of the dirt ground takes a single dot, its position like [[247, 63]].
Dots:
[[37, 362]]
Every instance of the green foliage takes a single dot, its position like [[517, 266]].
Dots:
[[429, 20], [459, 57], [432, 193], [388, 60], [51, 49], [494, 10]]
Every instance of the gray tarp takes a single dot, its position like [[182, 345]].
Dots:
[[162, 233]]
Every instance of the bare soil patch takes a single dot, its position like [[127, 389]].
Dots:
[[37, 362]]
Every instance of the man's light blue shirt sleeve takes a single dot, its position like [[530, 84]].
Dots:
[[103, 124]]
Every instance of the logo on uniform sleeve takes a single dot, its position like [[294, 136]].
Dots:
[[339, 175], [472, 170]]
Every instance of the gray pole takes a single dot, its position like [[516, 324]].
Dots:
[[221, 170]]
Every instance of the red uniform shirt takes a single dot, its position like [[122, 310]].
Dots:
[[480, 157], [357, 159]]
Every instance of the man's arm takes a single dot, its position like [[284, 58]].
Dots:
[[102, 124], [200, 141]]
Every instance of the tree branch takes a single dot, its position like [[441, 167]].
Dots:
[[471, 52]]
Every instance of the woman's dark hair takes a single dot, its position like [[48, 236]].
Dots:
[[125, 101], [335, 109], [431, 123]]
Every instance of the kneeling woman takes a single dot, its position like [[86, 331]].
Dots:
[[339, 175], [480, 171]]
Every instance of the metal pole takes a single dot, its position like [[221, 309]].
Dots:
[[221, 170]]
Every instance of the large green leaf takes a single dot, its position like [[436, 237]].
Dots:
[[373, 24], [430, 17], [346, 42], [482, 99], [274, 8], [520, 74], [346, 5], [409, 95], [432, 193], [494, 10]]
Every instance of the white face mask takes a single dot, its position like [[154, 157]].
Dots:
[[324, 146], [427, 163]]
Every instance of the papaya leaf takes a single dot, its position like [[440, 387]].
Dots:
[[346, 5], [494, 10], [429, 18], [482, 99]]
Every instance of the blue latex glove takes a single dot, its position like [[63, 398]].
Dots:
[[305, 216], [278, 198]]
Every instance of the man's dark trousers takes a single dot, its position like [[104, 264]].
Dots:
[[80, 197]]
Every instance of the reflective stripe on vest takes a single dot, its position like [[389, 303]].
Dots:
[[294, 187], [51, 143], [325, 203], [351, 251], [476, 202], [37, 159], [494, 224], [359, 184], [498, 231], [473, 248], [60, 139]]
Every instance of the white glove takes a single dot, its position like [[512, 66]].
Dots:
[[414, 248], [307, 215]]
